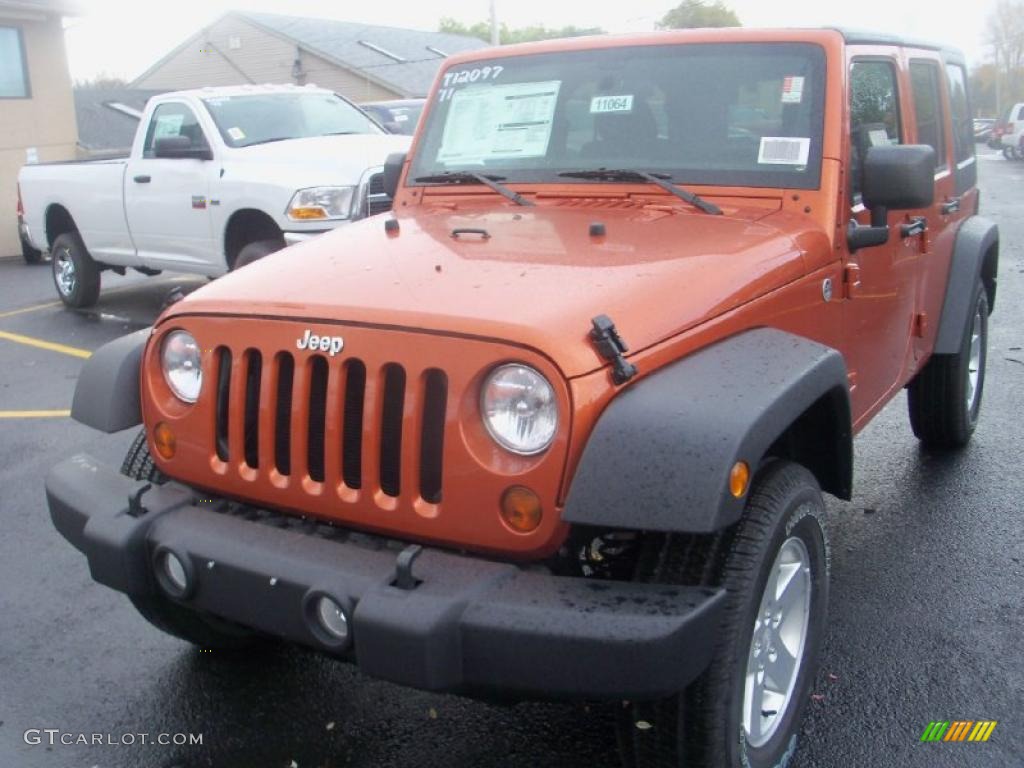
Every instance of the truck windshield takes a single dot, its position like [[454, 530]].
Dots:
[[260, 118], [736, 114]]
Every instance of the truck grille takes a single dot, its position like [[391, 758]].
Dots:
[[330, 420]]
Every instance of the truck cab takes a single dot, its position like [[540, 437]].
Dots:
[[561, 424]]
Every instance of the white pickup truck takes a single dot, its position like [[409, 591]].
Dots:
[[216, 178]]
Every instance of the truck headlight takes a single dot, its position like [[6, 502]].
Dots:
[[183, 372], [519, 409], [321, 203]]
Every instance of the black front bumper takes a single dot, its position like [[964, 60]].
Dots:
[[468, 624]]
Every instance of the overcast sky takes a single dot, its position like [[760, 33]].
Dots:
[[122, 39]]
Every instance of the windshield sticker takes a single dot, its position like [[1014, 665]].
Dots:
[[783, 150], [168, 125], [236, 134], [792, 90], [498, 122], [219, 101], [602, 104]]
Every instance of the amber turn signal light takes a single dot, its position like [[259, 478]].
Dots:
[[520, 509], [739, 478], [165, 441]]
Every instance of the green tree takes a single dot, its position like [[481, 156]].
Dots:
[[697, 13], [509, 35]]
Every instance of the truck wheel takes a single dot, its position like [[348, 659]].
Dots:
[[165, 615], [256, 251], [945, 397], [75, 274], [745, 710]]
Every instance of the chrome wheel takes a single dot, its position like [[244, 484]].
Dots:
[[777, 644], [64, 272], [974, 362]]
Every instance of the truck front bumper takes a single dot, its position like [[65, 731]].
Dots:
[[460, 624]]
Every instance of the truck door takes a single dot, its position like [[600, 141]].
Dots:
[[880, 281], [166, 199]]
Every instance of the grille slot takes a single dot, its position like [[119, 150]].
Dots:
[[317, 417], [253, 372], [283, 413], [435, 402], [352, 432], [391, 429], [223, 400]]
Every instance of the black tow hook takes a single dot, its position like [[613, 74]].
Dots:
[[403, 568], [135, 506]]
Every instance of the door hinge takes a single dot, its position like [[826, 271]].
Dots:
[[851, 280], [920, 324], [612, 348]]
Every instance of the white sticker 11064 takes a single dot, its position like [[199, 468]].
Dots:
[[601, 104], [783, 150]]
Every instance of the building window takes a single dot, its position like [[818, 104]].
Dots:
[[13, 73]]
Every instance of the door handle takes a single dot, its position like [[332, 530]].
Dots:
[[916, 226], [951, 206], [142, 179]]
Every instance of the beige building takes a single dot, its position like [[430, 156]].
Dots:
[[360, 61], [37, 112]]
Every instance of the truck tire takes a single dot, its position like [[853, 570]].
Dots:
[[745, 710], [75, 274], [256, 251], [944, 398], [164, 614]]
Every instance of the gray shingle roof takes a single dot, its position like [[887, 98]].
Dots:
[[365, 47], [105, 128]]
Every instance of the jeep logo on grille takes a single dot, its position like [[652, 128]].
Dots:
[[332, 345]]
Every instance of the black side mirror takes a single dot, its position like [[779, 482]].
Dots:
[[180, 147], [393, 172], [894, 178]]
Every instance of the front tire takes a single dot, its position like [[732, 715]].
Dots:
[[75, 274], [256, 251], [944, 398], [745, 710], [164, 614]]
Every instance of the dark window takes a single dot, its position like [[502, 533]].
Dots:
[[924, 83], [173, 119], [13, 72], [874, 112], [963, 131]]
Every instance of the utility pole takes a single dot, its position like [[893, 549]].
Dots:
[[495, 36]]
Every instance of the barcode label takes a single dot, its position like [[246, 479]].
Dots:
[[779, 150]]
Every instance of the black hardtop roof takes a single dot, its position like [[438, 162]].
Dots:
[[854, 36]]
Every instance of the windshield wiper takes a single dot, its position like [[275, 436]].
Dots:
[[469, 177], [663, 180], [268, 141]]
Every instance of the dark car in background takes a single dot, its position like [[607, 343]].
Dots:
[[399, 116]]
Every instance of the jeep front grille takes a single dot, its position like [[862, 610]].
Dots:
[[331, 420]]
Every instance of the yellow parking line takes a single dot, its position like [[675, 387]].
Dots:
[[33, 342], [34, 414], [33, 308]]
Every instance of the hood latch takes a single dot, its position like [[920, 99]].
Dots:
[[612, 348]]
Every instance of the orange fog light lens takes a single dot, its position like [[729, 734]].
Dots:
[[520, 509], [739, 478], [165, 441]]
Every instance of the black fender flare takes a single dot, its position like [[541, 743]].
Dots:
[[660, 455], [107, 392], [977, 238]]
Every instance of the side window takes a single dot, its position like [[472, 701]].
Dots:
[[924, 83], [13, 77], [874, 112], [173, 119], [963, 130]]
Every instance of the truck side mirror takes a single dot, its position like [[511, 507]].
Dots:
[[179, 147], [393, 172], [897, 177]]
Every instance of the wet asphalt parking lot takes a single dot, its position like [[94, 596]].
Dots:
[[927, 613]]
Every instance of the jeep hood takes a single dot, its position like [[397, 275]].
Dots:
[[536, 278]]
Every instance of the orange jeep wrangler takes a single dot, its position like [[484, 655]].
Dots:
[[559, 426]]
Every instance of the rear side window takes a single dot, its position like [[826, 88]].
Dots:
[[173, 119], [874, 112], [924, 82], [963, 132]]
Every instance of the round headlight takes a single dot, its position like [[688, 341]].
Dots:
[[182, 367], [519, 408]]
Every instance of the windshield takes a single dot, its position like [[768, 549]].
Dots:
[[737, 114], [259, 118]]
